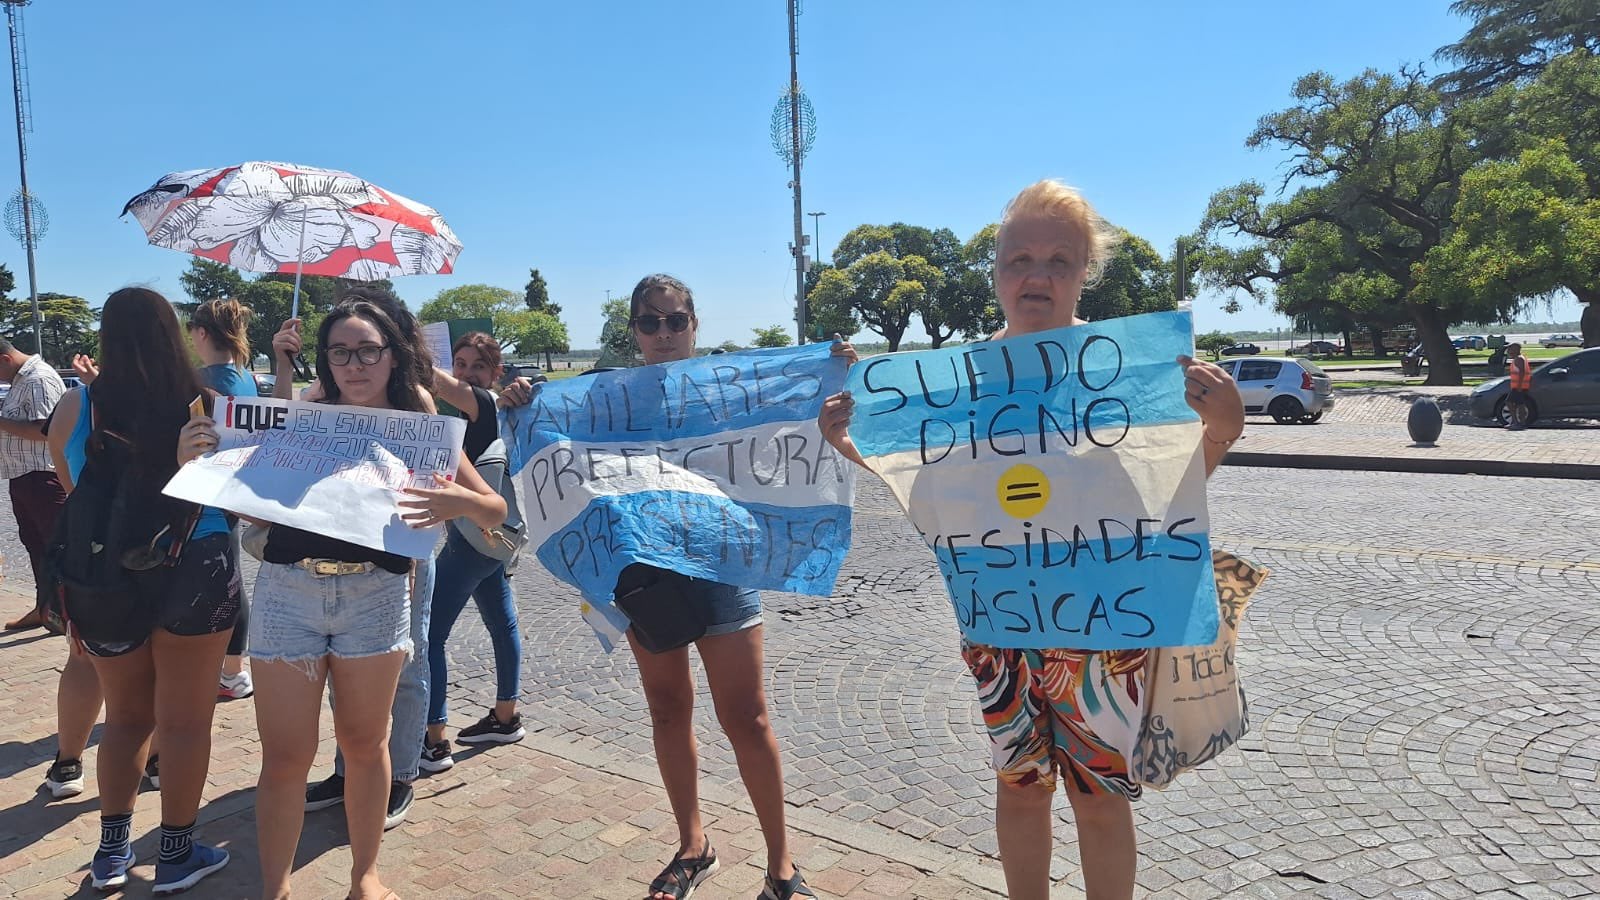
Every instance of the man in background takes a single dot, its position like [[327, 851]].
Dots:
[[36, 500], [1519, 372], [36, 492]]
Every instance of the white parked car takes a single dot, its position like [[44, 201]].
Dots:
[[1561, 340], [1288, 390]]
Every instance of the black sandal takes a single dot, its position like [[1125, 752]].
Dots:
[[794, 886], [685, 873]]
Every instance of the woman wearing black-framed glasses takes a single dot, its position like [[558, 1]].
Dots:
[[368, 355]]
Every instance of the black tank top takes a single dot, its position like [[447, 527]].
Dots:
[[288, 546]]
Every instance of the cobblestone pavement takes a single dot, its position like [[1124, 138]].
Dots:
[[1421, 666]]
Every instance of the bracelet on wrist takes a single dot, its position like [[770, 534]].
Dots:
[[1220, 443]]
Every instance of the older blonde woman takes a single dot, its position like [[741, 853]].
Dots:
[[1050, 243]]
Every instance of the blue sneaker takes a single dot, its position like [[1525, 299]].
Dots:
[[174, 877], [110, 871]]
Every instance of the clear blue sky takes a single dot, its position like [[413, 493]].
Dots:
[[603, 141]]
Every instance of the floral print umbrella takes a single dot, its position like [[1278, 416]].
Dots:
[[280, 217]]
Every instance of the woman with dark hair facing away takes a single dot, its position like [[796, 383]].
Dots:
[[664, 325], [328, 610], [160, 677], [218, 331], [464, 572]]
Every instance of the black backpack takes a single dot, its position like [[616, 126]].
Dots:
[[115, 524]]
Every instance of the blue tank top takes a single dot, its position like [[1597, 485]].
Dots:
[[212, 520], [228, 380]]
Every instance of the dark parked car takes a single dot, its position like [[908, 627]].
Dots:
[[265, 383], [1316, 348], [1565, 388], [1241, 350]]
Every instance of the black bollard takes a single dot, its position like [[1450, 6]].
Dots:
[[1425, 422]]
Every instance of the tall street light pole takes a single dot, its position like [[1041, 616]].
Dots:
[[794, 128], [816, 233], [29, 237]]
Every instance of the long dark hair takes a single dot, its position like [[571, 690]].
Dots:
[[403, 390], [406, 322], [145, 382]]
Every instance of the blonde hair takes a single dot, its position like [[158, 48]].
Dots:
[[1053, 199], [225, 322]]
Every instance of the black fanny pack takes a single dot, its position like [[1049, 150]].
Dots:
[[659, 604]]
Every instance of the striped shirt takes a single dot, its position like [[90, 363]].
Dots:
[[34, 393]]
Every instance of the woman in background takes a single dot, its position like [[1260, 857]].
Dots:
[[218, 329], [463, 572], [160, 676]]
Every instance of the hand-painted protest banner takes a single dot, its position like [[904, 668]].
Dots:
[[332, 470], [1059, 479], [712, 467]]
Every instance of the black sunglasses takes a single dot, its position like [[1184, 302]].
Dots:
[[678, 322]]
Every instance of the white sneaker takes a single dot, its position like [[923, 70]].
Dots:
[[236, 687]]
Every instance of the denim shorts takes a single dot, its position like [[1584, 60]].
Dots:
[[198, 596], [726, 608], [296, 616]]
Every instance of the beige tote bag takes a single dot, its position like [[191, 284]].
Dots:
[[1194, 701]]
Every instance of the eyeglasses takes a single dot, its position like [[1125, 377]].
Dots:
[[369, 356], [678, 322]]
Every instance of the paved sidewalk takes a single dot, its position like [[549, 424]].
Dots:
[[545, 818], [1366, 429]]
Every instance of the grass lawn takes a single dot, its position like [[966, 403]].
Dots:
[[1407, 383], [1467, 357]]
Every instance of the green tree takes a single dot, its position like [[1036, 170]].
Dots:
[[1512, 40], [1213, 342], [208, 280], [69, 328], [270, 303], [68, 323], [1528, 214], [616, 336], [1136, 279], [474, 301], [880, 290], [1375, 163], [772, 336], [537, 295], [980, 314], [321, 292], [535, 332], [950, 301]]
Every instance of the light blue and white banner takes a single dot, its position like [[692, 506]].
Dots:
[[1059, 479], [713, 467]]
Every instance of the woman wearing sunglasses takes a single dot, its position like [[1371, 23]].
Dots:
[[167, 660], [664, 325], [328, 610]]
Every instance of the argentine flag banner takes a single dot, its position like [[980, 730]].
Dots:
[[713, 467], [1059, 479]]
